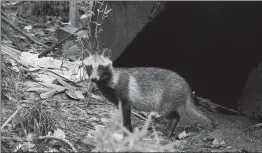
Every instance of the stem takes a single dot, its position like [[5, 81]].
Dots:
[[96, 34], [11, 117]]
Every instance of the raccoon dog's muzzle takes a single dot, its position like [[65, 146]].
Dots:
[[94, 79]]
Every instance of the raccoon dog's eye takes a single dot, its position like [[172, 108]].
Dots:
[[88, 68], [101, 67]]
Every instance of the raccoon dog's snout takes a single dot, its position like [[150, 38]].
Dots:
[[94, 79]]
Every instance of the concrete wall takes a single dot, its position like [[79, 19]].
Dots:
[[213, 45], [124, 22], [251, 101]]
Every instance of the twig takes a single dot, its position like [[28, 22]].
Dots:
[[210, 103], [256, 125], [81, 111], [15, 42], [22, 32], [59, 139], [253, 126], [10, 118], [17, 87], [61, 41], [87, 100], [139, 116], [250, 128], [25, 20]]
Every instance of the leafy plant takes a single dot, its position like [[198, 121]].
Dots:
[[114, 137]]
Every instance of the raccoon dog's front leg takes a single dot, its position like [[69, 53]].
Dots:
[[126, 112]]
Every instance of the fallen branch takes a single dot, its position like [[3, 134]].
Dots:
[[10, 51], [44, 53], [216, 105], [59, 139], [22, 32], [252, 127], [228, 109], [15, 42], [256, 126], [24, 20]]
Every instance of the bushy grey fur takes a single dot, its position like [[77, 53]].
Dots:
[[148, 89]]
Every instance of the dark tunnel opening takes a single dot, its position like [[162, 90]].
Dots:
[[213, 45]]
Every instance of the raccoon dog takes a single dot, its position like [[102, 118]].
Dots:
[[146, 89]]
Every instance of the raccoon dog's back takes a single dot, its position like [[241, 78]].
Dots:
[[155, 89]]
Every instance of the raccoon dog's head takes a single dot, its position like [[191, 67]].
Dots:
[[99, 66]]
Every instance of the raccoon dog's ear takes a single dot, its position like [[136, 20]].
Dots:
[[106, 52]]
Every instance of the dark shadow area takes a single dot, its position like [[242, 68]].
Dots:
[[213, 45]]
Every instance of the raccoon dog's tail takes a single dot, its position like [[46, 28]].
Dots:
[[194, 110]]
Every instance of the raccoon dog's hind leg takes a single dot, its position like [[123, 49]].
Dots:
[[173, 119]]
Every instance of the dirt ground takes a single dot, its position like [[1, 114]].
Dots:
[[231, 132]]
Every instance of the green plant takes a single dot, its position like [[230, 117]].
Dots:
[[114, 137]]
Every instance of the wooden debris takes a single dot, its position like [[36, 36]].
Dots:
[[22, 32]]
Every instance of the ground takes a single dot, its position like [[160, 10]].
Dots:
[[232, 131]]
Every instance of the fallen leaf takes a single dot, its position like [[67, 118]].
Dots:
[[222, 143], [118, 136], [104, 120], [65, 84], [79, 94], [59, 133], [38, 89], [30, 137], [208, 138], [89, 140], [71, 94], [52, 150], [27, 146], [34, 69], [182, 135], [17, 138], [215, 143], [48, 94], [27, 28], [54, 86]]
